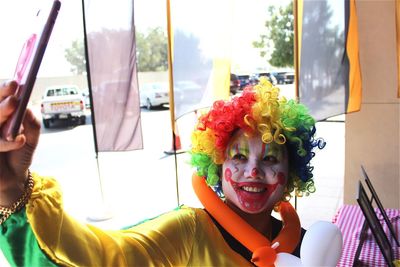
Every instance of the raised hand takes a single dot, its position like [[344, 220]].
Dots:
[[15, 156]]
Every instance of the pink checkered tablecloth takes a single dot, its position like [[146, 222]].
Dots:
[[350, 219]]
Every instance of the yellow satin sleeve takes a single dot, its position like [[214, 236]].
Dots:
[[183, 237]]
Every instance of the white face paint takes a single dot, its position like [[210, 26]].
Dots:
[[254, 173]]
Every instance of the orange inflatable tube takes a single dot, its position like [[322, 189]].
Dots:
[[288, 238], [290, 234]]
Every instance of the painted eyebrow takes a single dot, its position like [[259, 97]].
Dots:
[[240, 147], [272, 150]]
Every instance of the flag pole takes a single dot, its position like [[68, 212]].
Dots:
[[296, 47], [296, 58], [103, 214], [89, 80], [171, 95]]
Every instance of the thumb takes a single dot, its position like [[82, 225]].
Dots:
[[31, 128], [17, 143]]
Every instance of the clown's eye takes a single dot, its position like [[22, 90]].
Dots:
[[239, 157], [271, 159]]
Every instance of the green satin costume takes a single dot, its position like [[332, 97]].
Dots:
[[42, 234]]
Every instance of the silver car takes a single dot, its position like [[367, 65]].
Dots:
[[154, 94]]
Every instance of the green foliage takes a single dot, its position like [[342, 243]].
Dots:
[[76, 56], [277, 43], [152, 50]]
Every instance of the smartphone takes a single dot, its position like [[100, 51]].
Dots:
[[27, 68]]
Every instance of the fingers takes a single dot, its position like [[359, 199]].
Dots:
[[18, 142], [7, 106], [31, 121], [8, 101], [8, 88], [31, 128]]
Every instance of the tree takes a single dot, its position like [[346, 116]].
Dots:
[[76, 56], [277, 42], [151, 50]]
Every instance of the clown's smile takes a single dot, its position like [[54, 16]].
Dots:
[[253, 195]]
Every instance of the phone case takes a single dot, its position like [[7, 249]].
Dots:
[[26, 70]]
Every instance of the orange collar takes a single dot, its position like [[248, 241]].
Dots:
[[263, 254]]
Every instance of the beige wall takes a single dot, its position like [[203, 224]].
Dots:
[[372, 135], [81, 81]]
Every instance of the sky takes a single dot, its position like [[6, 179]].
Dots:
[[247, 26]]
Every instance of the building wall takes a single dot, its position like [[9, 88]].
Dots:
[[81, 81], [372, 135]]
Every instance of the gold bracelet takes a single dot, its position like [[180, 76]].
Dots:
[[5, 212]]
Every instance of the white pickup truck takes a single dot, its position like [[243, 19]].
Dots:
[[63, 103]]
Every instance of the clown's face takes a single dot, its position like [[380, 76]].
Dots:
[[254, 173]]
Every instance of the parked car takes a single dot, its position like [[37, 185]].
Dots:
[[108, 93], [234, 84], [154, 94], [188, 91], [244, 80], [62, 103], [289, 77], [283, 77], [268, 75], [254, 79]]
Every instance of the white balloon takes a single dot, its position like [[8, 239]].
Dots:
[[287, 260], [322, 245]]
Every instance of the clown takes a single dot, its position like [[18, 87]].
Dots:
[[253, 151]]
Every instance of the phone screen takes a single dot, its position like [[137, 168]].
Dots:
[[28, 66]]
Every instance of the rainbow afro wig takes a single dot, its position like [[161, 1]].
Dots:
[[259, 109]]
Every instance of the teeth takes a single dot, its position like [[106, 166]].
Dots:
[[253, 189]]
